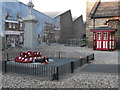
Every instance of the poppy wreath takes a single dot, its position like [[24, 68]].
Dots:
[[30, 57]]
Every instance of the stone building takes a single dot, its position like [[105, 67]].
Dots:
[[64, 30], [59, 30], [102, 14], [70, 29], [11, 22], [14, 28], [66, 27], [50, 34], [79, 27], [56, 34]]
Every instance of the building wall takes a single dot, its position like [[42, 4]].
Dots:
[[66, 27], [97, 22], [56, 35], [89, 22], [50, 34], [14, 30], [79, 27], [0, 43], [89, 35], [116, 24]]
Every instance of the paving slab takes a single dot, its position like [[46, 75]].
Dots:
[[101, 68]]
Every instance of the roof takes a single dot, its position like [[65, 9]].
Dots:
[[103, 28], [105, 9], [80, 17], [62, 13]]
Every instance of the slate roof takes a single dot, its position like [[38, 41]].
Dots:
[[105, 9]]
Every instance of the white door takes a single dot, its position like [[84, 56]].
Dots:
[[105, 40], [98, 40]]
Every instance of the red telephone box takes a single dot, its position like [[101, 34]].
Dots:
[[104, 38]]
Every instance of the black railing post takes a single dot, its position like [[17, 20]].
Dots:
[[81, 62], [7, 56], [59, 55], [4, 67], [56, 75], [87, 59], [72, 67], [93, 56]]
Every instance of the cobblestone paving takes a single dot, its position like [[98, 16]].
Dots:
[[78, 79]]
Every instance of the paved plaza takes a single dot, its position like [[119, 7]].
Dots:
[[101, 73]]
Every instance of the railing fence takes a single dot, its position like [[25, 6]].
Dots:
[[51, 71]]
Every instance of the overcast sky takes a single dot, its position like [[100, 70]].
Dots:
[[56, 7], [77, 7]]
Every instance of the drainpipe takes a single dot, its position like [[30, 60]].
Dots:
[[93, 23]]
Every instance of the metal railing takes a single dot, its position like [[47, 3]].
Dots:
[[54, 72]]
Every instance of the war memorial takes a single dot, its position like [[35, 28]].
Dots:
[[45, 57]]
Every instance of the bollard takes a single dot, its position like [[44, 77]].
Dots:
[[72, 67]]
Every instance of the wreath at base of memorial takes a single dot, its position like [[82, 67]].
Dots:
[[31, 57]]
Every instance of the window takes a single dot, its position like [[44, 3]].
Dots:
[[6, 25], [47, 30], [13, 25], [16, 25], [21, 25], [99, 35], [10, 25], [105, 36]]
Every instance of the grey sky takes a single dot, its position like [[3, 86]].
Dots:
[[52, 7]]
